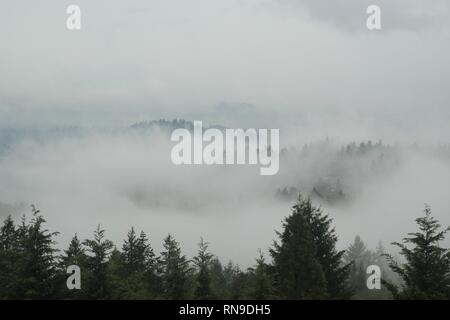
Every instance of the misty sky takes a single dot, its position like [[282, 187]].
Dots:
[[309, 64], [308, 67]]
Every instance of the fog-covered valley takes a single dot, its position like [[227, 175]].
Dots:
[[95, 94], [124, 177]]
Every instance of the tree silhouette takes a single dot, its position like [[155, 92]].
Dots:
[[202, 263], [426, 273]]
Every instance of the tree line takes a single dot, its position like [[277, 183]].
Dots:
[[304, 264]]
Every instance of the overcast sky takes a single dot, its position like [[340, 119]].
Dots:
[[275, 63], [308, 67]]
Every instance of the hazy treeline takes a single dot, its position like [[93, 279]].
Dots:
[[332, 172], [338, 173], [304, 264]]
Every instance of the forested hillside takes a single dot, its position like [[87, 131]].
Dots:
[[303, 263]]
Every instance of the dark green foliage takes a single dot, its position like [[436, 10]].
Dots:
[[134, 269], [98, 252], [305, 265], [74, 255], [36, 272], [218, 281], [174, 269], [325, 239], [202, 263], [9, 257], [298, 272], [28, 264], [426, 273], [235, 281], [261, 280], [138, 254]]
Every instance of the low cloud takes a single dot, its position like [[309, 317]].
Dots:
[[350, 15], [123, 179]]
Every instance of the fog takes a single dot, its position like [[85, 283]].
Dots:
[[142, 60], [308, 68], [125, 178]]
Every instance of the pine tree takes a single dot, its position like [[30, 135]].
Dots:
[[8, 235], [357, 251], [359, 259], [8, 259], [262, 284], [235, 281], [37, 265], [218, 281], [298, 272], [174, 268], [73, 255], [426, 273], [99, 250], [139, 255], [121, 284], [134, 269], [379, 259], [325, 238], [202, 263]]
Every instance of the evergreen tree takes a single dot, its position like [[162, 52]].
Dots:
[[218, 281], [202, 263], [8, 235], [99, 250], [9, 256], [175, 270], [138, 254], [357, 251], [150, 264], [298, 272], [134, 269], [262, 280], [359, 259], [235, 281], [379, 258], [37, 265], [73, 255], [426, 273], [122, 284], [331, 260]]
